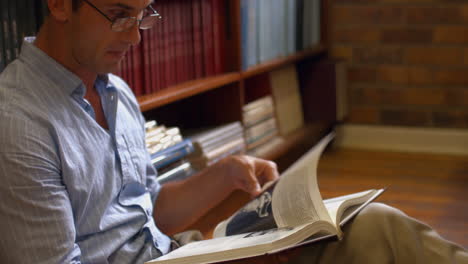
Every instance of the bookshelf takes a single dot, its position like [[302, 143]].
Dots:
[[219, 98]]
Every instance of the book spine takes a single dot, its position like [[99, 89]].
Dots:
[[159, 51], [172, 154], [217, 132], [146, 57], [179, 172], [207, 25], [6, 32], [154, 79], [2, 48], [244, 33], [137, 71], [197, 39], [188, 40], [178, 47], [219, 35], [13, 28], [252, 33], [316, 22]]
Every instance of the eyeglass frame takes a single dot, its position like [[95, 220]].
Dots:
[[139, 21]]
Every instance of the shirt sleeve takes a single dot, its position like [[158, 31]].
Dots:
[[36, 220]]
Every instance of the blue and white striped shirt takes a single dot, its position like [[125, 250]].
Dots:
[[71, 191]]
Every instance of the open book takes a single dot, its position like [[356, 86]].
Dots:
[[290, 212]]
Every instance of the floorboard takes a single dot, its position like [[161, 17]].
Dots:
[[431, 188]]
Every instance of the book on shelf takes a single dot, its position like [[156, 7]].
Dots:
[[168, 152], [172, 154], [289, 213], [257, 111], [211, 156], [212, 137], [262, 150], [213, 144], [259, 122], [288, 105], [176, 171]]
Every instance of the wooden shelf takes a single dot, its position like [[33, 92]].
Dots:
[[184, 90], [276, 63], [307, 135]]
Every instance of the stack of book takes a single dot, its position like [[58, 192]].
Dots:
[[168, 152], [214, 144], [261, 131]]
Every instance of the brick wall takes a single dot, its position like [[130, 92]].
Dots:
[[408, 60]]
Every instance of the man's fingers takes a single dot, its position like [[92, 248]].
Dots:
[[266, 171]]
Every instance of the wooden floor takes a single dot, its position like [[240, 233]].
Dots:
[[431, 188]]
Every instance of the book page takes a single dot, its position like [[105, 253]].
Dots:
[[296, 199], [337, 207]]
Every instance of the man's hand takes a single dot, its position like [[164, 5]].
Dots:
[[247, 173], [182, 203]]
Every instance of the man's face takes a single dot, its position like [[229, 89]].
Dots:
[[94, 46]]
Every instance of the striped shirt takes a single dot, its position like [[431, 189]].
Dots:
[[71, 191]]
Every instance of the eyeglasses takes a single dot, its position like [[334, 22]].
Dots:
[[126, 23]]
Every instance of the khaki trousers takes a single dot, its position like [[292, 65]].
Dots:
[[382, 234]]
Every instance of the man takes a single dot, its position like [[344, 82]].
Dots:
[[77, 182]]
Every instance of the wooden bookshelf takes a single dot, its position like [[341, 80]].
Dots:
[[279, 62], [184, 90], [219, 99], [303, 136]]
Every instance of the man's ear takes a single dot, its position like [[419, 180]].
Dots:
[[60, 10]]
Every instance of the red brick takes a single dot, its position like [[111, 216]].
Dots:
[[356, 35], [434, 15], [457, 97], [464, 12], [363, 115], [451, 77], [465, 57], [451, 34], [368, 15], [440, 56], [421, 76], [365, 96], [378, 55], [393, 74], [401, 97], [407, 35], [361, 74], [423, 96], [450, 118], [404, 117]]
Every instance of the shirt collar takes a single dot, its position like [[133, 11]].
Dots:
[[53, 70]]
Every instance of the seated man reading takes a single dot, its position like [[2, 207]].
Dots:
[[77, 184]]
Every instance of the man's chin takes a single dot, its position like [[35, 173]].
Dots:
[[110, 68]]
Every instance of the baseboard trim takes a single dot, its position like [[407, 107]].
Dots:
[[405, 139]]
